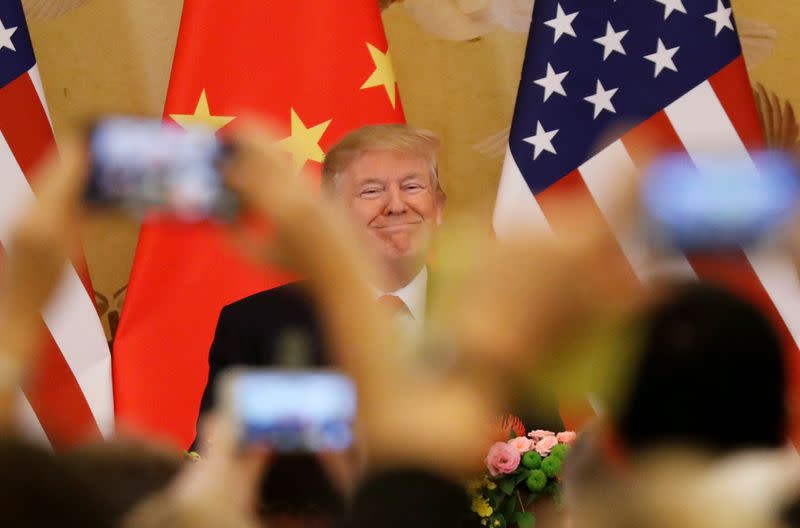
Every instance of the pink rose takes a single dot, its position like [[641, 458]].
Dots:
[[539, 434], [521, 444], [544, 445], [502, 459], [566, 437]]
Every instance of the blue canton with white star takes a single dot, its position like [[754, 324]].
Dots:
[[19, 58], [597, 67]]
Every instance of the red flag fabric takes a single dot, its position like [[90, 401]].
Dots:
[[319, 70]]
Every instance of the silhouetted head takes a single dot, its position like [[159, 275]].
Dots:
[[711, 375], [37, 490], [122, 473]]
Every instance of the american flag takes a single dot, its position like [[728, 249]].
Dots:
[[602, 79], [68, 399]]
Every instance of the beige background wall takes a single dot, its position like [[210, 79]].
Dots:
[[107, 56], [115, 55]]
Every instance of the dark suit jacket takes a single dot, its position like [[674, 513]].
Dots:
[[280, 327], [277, 327]]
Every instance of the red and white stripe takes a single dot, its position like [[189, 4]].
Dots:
[[69, 399], [719, 114]]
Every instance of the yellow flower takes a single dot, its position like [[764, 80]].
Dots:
[[481, 507], [484, 521], [491, 485], [474, 485]]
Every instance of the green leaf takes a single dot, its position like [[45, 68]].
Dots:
[[509, 508], [523, 476], [495, 496], [552, 487], [507, 484], [495, 501], [500, 504], [558, 497], [525, 520]]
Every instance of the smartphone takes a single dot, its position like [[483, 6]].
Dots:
[[716, 201], [145, 165], [290, 411]]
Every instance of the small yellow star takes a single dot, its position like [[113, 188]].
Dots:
[[202, 116], [303, 143], [383, 74]]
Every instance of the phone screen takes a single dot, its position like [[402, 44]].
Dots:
[[718, 201], [292, 411], [143, 165]]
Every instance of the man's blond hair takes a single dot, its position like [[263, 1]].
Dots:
[[403, 139]]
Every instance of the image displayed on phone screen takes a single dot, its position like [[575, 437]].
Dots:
[[143, 165], [293, 410]]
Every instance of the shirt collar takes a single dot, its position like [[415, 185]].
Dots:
[[413, 294]]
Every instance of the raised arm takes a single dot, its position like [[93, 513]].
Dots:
[[39, 245]]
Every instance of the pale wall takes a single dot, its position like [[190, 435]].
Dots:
[[107, 56]]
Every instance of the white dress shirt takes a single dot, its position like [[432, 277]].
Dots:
[[414, 294]]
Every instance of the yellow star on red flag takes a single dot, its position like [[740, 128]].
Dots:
[[202, 116], [383, 74], [303, 143]]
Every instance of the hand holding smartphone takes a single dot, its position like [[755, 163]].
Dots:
[[144, 165], [290, 411]]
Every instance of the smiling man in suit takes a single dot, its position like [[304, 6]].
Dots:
[[386, 177]]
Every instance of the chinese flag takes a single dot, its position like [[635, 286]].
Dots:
[[319, 68]]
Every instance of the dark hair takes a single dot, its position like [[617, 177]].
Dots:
[[122, 473], [414, 497], [711, 375], [36, 490], [298, 484]]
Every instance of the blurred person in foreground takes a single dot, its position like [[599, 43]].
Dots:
[[700, 438], [41, 241], [710, 375], [36, 489], [424, 429], [94, 484], [122, 472]]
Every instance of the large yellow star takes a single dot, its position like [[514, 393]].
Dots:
[[303, 143], [202, 116], [383, 74]]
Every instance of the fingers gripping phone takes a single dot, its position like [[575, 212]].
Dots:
[[145, 165], [290, 411]]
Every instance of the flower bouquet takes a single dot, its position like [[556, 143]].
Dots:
[[520, 471]]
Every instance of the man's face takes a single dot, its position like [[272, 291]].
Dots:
[[392, 196]]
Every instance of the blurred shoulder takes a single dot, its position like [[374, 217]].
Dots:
[[289, 297]]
